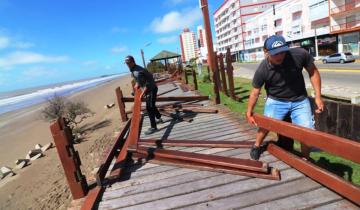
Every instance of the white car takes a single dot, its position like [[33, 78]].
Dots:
[[339, 58]]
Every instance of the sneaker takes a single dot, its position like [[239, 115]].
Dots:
[[255, 153], [150, 131], [159, 121]]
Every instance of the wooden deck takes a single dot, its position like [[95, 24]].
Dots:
[[152, 186]]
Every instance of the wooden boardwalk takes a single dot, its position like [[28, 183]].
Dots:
[[152, 186]]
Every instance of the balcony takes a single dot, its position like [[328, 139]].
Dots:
[[350, 6], [344, 27]]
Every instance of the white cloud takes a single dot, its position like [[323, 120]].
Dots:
[[175, 2], [39, 72], [22, 57], [175, 20], [119, 49], [4, 42], [167, 40]]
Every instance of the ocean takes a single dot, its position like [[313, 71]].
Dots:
[[14, 100]]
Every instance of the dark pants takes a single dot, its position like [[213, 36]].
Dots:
[[151, 106]]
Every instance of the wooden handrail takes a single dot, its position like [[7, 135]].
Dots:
[[329, 143]]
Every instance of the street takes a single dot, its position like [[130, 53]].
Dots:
[[341, 80]]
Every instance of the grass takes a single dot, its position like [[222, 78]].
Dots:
[[349, 170]]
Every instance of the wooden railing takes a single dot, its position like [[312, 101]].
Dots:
[[326, 142]]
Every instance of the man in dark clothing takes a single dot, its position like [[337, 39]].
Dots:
[[281, 73], [145, 80]]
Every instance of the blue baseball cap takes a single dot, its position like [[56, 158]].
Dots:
[[275, 44]]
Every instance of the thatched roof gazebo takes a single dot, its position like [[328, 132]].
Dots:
[[165, 55]]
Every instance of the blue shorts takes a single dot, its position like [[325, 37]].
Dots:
[[300, 111]]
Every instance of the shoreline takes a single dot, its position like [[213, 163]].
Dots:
[[42, 184]]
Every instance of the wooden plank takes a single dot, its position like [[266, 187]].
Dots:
[[135, 122], [222, 73], [229, 71], [167, 91], [121, 104], [199, 191], [268, 194], [336, 145], [198, 143], [341, 204], [194, 79], [92, 198], [172, 98], [273, 174], [100, 174], [302, 201], [326, 178], [250, 165]]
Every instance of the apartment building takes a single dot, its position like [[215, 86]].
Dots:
[[202, 44], [231, 19], [188, 44], [344, 16]]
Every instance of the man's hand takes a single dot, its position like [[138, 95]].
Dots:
[[136, 86], [250, 118], [319, 105]]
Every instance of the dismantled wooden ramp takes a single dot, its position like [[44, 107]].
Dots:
[[158, 179]]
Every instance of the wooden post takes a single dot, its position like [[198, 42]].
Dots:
[[229, 71], [210, 47], [216, 81], [186, 77], [222, 71], [194, 78], [121, 104], [69, 158]]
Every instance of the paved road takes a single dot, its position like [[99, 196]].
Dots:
[[342, 80]]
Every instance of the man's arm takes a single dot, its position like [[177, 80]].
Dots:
[[315, 80], [254, 95]]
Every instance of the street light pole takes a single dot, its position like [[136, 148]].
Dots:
[[142, 54]]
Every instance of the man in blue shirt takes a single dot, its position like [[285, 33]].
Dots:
[[281, 73], [145, 80]]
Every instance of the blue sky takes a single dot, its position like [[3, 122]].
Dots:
[[44, 42]]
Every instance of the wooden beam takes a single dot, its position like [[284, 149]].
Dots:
[[333, 144], [168, 91], [197, 143], [222, 73], [119, 143], [92, 198], [251, 165], [273, 174], [135, 122], [194, 79], [229, 71], [175, 116], [322, 176], [172, 98], [121, 104]]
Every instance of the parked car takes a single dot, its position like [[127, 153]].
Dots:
[[339, 58]]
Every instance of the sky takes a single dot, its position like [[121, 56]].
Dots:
[[45, 42]]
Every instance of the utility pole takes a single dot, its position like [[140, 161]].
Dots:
[[211, 54]]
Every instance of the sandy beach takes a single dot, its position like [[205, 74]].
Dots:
[[42, 184]]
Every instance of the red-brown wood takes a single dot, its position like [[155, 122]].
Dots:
[[168, 91], [251, 165], [222, 73], [172, 98], [135, 121], [273, 174], [92, 198], [119, 143], [194, 79], [197, 143], [69, 159], [229, 71], [322, 176], [121, 104], [336, 145]]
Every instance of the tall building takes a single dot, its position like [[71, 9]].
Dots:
[[231, 20], [188, 44], [345, 22], [202, 44]]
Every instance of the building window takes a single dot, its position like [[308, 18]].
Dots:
[[264, 37], [296, 15], [257, 40], [278, 22], [249, 33], [279, 33]]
